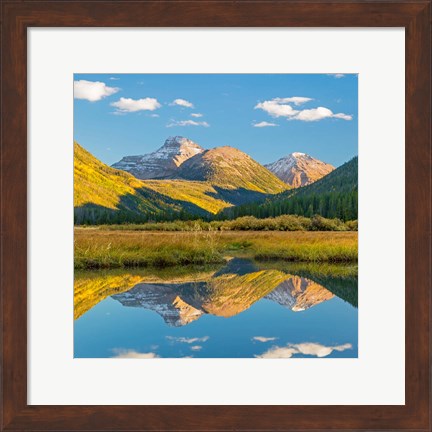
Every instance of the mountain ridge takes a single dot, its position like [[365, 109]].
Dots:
[[182, 158]]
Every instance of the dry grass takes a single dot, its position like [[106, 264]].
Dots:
[[95, 248]]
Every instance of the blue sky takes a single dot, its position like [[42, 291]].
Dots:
[[265, 115]]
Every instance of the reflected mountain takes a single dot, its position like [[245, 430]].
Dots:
[[166, 300], [278, 310], [91, 287], [226, 293], [181, 297], [298, 294]]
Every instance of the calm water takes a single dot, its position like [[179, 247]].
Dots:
[[241, 310]]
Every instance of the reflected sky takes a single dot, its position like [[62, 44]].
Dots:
[[242, 310]]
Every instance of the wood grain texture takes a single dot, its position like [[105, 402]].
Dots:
[[17, 16]]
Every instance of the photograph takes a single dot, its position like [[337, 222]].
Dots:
[[215, 215], [231, 182]]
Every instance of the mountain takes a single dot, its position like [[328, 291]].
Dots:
[[103, 194], [333, 196], [225, 167], [343, 179], [163, 162], [299, 169], [230, 168]]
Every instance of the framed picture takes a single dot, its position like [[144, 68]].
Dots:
[[215, 215], [214, 241]]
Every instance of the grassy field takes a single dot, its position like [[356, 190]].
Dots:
[[99, 248]]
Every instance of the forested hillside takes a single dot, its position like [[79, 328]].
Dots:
[[333, 196]]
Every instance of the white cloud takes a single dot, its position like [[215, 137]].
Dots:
[[188, 340], [92, 90], [276, 109], [309, 348], [182, 102], [263, 339], [319, 113], [264, 124], [280, 107], [343, 116], [114, 79], [196, 115], [337, 75], [187, 123], [296, 100], [133, 105], [134, 354], [154, 115]]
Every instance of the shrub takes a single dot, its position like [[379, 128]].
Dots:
[[352, 225], [318, 223]]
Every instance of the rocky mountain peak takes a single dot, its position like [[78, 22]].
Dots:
[[298, 294], [162, 162], [299, 169]]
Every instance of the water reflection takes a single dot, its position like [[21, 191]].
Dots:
[[249, 296], [224, 295], [309, 349]]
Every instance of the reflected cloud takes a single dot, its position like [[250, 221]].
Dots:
[[307, 348], [263, 339], [205, 297], [188, 340], [132, 354], [196, 347]]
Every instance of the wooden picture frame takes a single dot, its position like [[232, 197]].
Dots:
[[18, 16]]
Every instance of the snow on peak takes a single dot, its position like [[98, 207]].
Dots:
[[179, 140], [299, 169], [175, 139]]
